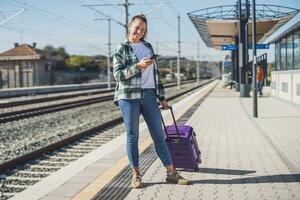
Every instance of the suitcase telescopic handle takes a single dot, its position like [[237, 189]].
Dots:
[[175, 124]]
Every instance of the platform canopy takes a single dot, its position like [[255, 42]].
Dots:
[[219, 25]]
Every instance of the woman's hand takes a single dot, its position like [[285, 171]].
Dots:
[[164, 104], [144, 63]]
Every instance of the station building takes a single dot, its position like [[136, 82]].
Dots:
[[285, 80], [231, 25], [26, 66]]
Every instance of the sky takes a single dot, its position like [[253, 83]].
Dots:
[[79, 29]]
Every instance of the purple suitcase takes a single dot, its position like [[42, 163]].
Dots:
[[184, 150]]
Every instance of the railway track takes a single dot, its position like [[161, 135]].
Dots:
[[33, 112], [19, 173], [69, 96], [53, 98]]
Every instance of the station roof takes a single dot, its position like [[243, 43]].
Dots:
[[290, 26], [219, 25]]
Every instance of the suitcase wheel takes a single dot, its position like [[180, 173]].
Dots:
[[197, 169]]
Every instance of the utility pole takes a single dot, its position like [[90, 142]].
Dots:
[[178, 56], [125, 4], [198, 64], [241, 47], [126, 16], [109, 55], [247, 16], [254, 60], [236, 66], [157, 51], [108, 52], [171, 67]]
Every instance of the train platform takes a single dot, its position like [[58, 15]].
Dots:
[[242, 157]]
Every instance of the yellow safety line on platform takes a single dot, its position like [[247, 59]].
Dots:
[[100, 182]]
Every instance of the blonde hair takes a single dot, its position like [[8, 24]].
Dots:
[[143, 18]]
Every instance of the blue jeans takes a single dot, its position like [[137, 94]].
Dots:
[[259, 86], [148, 107]]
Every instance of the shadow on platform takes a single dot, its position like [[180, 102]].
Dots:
[[280, 178], [225, 171], [219, 171], [273, 117]]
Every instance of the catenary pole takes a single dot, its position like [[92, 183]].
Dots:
[[198, 60], [178, 56], [255, 114]]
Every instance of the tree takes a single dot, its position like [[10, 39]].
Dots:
[[49, 50], [75, 62], [61, 51], [58, 54]]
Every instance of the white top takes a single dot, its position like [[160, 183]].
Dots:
[[143, 52]]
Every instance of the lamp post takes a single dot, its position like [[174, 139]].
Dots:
[[254, 60], [198, 64]]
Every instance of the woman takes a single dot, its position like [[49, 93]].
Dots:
[[138, 86]]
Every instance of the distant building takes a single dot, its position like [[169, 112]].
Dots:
[[26, 66]]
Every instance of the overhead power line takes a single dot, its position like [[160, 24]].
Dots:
[[46, 38], [11, 17], [56, 16], [105, 15]]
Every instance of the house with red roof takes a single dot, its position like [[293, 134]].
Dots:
[[26, 66]]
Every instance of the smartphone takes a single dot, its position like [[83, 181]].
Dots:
[[154, 56]]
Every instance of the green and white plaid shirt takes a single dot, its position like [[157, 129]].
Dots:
[[128, 76]]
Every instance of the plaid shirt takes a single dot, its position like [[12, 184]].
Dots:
[[128, 76]]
